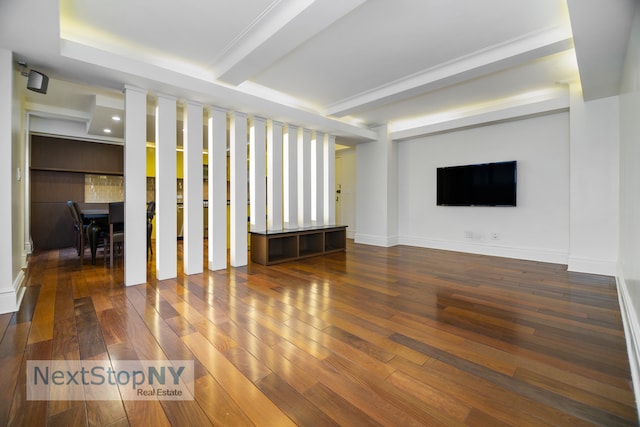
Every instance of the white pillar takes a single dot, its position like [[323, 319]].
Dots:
[[274, 175], [26, 176], [257, 174], [594, 165], [135, 186], [192, 170], [217, 145], [377, 183], [304, 178], [11, 289], [166, 210], [329, 179], [238, 148], [317, 179], [290, 176]]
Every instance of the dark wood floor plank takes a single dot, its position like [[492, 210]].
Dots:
[[90, 339], [354, 392], [5, 319], [404, 402], [552, 399], [299, 409], [75, 416], [256, 405], [477, 418], [12, 349], [625, 411], [216, 403], [490, 398], [26, 412], [338, 408], [434, 397]]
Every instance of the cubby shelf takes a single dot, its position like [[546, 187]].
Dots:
[[272, 247]]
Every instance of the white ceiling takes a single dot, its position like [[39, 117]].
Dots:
[[336, 66]]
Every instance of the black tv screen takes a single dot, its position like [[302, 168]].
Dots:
[[487, 184]]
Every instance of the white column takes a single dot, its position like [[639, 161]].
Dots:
[[317, 179], [304, 178], [593, 184], [11, 290], [274, 175], [217, 145], [192, 171], [329, 179], [290, 176], [238, 160], [377, 183], [135, 186], [26, 176], [166, 210], [257, 174]]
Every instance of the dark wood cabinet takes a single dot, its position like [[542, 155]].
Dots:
[[58, 168], [58, 154], [51, 223]]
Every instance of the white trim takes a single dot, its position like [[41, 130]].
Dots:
[[531, 254], [373, 240], [551, 102], [11, 299], [631, 332]]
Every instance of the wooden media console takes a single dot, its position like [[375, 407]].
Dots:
[[272, 247]]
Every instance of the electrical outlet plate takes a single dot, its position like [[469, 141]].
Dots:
[[494, 236], [468, 234]]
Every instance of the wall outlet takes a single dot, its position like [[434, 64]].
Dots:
[[494, 236], [468, 234]]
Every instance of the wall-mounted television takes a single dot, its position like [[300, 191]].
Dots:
[[486, 184]]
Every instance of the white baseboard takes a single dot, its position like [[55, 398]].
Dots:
[[593, 266], [485, 248], [11, 298], [576, 264], [373, 240], [28, 247], [631, 332]]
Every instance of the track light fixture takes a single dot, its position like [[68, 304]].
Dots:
[[36, 81]]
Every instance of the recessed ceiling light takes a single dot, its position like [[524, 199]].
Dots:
[[115, 118], [107, 130]]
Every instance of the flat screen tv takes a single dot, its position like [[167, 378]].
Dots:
[[487, 184]]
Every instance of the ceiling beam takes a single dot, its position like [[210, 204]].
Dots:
[[282, 28], [170, 82], [601, 31], [481, 63]]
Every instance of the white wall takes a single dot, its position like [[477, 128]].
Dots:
[[537, 229], [628, 275]]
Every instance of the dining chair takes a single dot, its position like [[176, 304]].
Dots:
[[78, 229], [114, 239]]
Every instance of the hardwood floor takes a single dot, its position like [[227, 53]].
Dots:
[[375, 336]]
